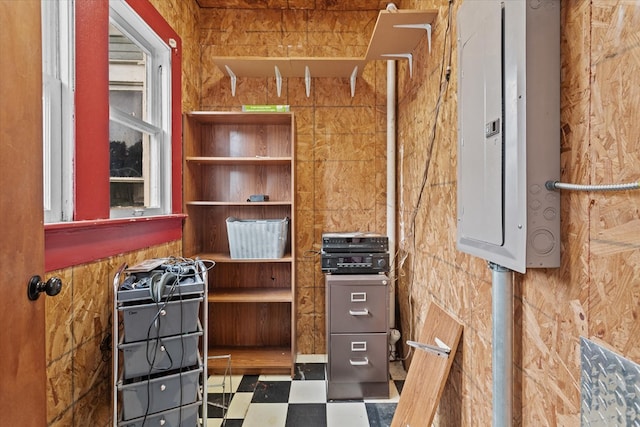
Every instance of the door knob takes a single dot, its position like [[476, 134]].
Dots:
[[51, 287]]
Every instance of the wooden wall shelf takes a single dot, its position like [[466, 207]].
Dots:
[[395, 36]]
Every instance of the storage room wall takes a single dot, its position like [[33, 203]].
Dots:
[[340, 140], [78, 321], [595, 293]]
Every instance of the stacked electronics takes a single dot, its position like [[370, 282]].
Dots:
[[355, 253], [357, 314], [158, 367]]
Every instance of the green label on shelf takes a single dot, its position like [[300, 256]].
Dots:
[[266, 108]]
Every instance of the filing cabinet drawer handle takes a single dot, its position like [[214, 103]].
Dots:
[[359, 346], [363, 362], [364, 312], [358, 296]]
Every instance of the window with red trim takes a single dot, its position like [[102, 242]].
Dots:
[[95, 232]]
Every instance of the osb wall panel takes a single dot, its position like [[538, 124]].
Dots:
[[614, 296], [78, 339], [595, 292], [182, 15], [340, 140]]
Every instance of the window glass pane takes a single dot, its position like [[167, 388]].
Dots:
[[127, 73], [126, 151], [127, 181], [127, 101], [129, 170], [139, 105]]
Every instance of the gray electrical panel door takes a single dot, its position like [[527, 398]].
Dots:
[[509, 132], [481, 145]]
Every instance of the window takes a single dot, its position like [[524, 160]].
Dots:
[[57, 108], [139, 116], [96, 222]]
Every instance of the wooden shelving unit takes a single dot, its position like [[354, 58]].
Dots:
[[395, 36], [251, 302]]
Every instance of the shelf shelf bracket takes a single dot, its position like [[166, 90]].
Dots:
[[278, 80], [233, 80], [426, 27], [307, 80], [440, 350], [352, 79], [408, 56]]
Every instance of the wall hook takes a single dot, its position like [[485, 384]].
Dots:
[[402, 55], [354, 74], [426, 27], [278, 80], [307, 80], [233, 80]]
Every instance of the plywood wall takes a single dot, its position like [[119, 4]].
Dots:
[[78, 339], [183, 16], [340, 140], [595, 293]]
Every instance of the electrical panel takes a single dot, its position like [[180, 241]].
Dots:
[[509, 132]]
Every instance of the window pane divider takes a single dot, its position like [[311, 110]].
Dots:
[[132, 122]]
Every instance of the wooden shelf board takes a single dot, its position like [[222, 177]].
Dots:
[[253, 361], [239, 160], [236, 295], [222, 257], [220, 203], [259, 66], [236, 117], [387, 39], [420, 399]]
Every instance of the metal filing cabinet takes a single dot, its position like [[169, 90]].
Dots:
[[357, 336]]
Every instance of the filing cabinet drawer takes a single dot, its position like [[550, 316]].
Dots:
[[358, 309], [358, 358]]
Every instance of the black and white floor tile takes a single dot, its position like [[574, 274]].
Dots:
[[279, 401]]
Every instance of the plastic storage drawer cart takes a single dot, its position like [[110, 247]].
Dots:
[[159, 373]]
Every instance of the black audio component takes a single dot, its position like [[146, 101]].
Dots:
[[354, 242], [355, 263]]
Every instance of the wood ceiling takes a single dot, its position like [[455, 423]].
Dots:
[[296, 4]]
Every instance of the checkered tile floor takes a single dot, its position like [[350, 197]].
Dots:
[[279, 401]]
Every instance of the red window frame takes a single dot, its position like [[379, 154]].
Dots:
[[92, 235]]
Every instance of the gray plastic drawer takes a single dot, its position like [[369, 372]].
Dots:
[[160, 355], [356, 308], [187, 286], [147, 321], [358, 358], [159, 394], [177, 417]]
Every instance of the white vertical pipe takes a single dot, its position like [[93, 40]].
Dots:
[[502, 349], [391, 185], [391, 181]]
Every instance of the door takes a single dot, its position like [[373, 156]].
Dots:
[[22, 360]]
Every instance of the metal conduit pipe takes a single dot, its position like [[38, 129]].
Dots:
[[555, 185], [391, 182], [502, 349]]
